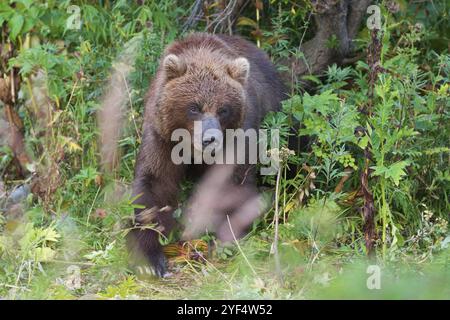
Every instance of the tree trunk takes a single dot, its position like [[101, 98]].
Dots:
[[337, 22]]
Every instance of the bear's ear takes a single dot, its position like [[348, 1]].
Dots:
[[173, 67], [238, 69]]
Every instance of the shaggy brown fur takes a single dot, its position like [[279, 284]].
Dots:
[[224, 77]]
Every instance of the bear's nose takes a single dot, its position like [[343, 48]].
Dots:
[[208, 140]]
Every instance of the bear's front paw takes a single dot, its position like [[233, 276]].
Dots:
[[156, 266], [159, 263]]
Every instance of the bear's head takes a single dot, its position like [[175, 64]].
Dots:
[[202, 87]]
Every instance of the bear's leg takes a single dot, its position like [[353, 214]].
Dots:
[[147, 252], [156, 187], [152, 221]]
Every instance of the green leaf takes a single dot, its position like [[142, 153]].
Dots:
[[363, 142], [27, 3], [15, 25], [244, 21], [44, 254], [312, 78], [394, 172], [49, 234], [5, 13], [321, 103]]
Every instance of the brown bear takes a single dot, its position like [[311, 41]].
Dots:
[[223, 81]]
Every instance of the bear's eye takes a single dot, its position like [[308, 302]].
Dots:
[[194, 109], [223, 112]]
